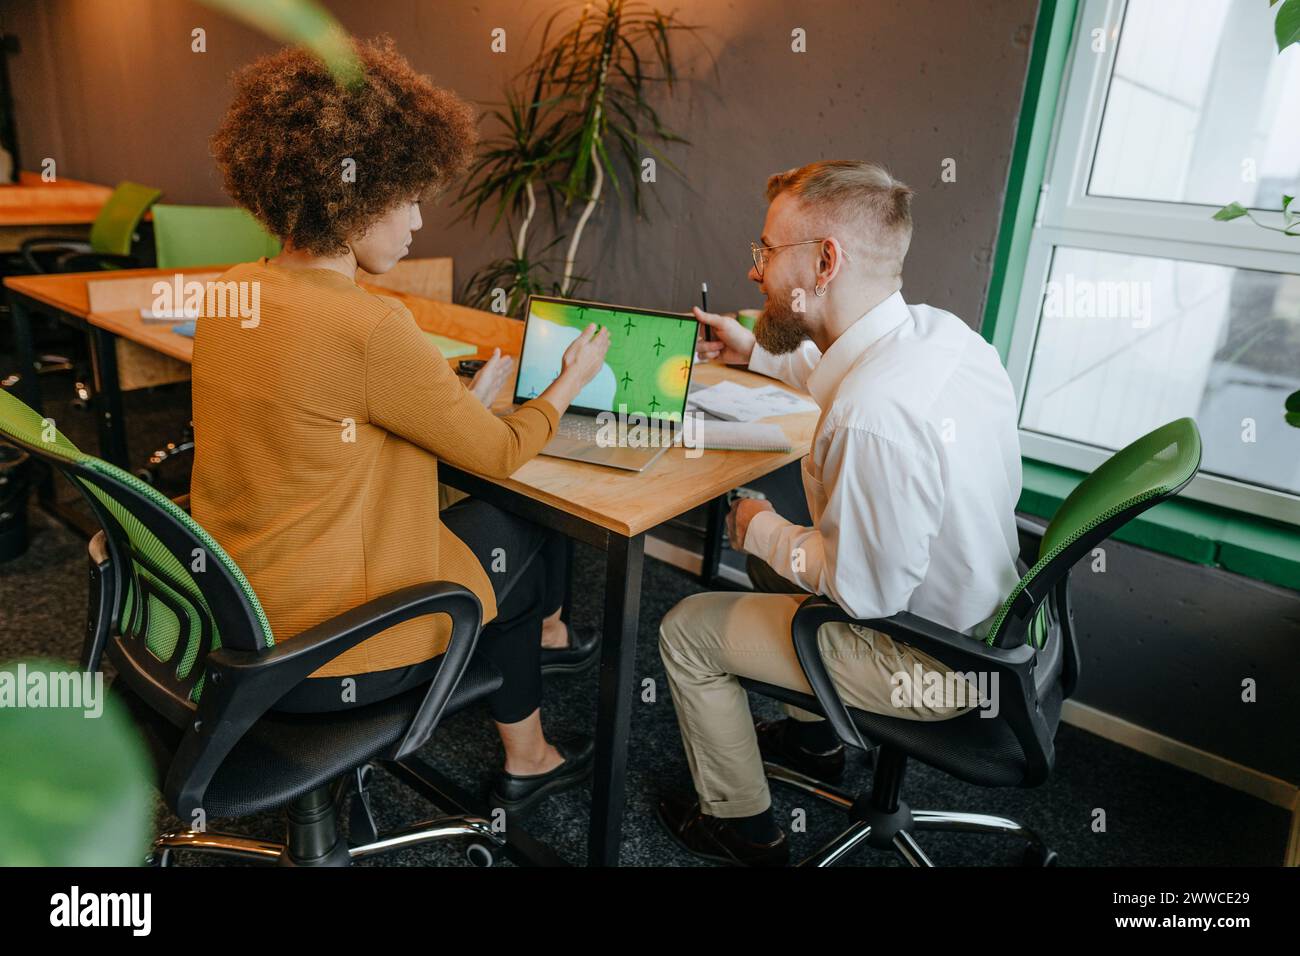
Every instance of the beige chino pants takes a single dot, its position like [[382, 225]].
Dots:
[[709, 640]]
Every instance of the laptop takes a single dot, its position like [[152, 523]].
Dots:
[[647, 373]]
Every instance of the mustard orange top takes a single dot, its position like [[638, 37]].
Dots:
[[317, 435]]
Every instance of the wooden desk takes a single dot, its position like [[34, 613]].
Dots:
[[605, 507], [32, 207], [613, 510]]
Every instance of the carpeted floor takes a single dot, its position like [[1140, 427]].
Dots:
[[1155, 814]]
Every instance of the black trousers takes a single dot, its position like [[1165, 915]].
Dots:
[[528, 568]]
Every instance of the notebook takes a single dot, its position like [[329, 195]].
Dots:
[[739, 436]]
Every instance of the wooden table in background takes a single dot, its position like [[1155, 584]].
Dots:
[[31, 207], [126, 350]]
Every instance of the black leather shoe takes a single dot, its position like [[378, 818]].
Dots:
[[715, 839], [577, 657], [778, 743], [516, 794]]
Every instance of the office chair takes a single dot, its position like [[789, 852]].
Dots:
[[111, 238], [208, 235], [187, 236], [1031, 647], [199, 671]]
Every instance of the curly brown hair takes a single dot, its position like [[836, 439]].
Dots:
[[283, 143]]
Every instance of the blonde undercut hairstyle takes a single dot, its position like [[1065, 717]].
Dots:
[[860, 203]]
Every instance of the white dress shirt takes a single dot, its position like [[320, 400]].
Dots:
[[914, 472]]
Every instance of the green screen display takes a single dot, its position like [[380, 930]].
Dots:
[[647, 369]]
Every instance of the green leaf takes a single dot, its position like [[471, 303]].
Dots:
[[1293, 402], [76, 788], [1234, 210], [304, 22], [1289, 215], [1287, 26]]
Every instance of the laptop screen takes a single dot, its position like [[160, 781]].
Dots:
[[647, 369]]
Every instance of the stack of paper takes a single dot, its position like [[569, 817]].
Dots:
[[736, 403]]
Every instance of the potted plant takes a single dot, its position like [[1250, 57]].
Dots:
[[576, 120]]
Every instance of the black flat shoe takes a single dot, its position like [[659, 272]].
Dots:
[[577, 657], [778, 744], [519, 794]]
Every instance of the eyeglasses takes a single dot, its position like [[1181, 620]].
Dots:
[[762, 253]]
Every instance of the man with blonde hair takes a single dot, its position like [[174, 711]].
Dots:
[[912, 482]]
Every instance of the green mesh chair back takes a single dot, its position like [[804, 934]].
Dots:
[[177, 595], [117, 221], [1155, 467], [208, 235]]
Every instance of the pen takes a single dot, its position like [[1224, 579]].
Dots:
[[704, 305]]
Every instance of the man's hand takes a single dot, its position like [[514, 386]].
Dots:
[[738, 519], [492, 377], [734, 343]]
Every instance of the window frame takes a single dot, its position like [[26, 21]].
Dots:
[[1066, 215]]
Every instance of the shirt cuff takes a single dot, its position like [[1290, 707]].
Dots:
[[764, 362], [761, 535]]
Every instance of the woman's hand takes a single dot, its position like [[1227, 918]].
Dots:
[[489, 380], [583, 359], [586, 354], [734, 343]]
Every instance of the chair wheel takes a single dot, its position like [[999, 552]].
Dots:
[[480, 854], [146, 475], [1038, 856]]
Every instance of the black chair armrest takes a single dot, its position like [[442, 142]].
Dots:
[[241, 686], [92, 261], [957, 651], [30, 247]]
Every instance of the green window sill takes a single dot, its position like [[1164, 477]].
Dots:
[[1191, 530]]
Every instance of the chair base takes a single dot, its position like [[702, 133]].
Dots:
[[313, 837], [892, 830], [483, 852]]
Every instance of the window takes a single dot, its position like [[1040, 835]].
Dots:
[[1138, 308]]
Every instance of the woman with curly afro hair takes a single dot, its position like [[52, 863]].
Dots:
[[320, 423]]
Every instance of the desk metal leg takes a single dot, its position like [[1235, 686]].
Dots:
[[29, 386], [614, 707], [566, 610], [108, 399]]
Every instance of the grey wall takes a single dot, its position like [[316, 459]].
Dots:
[[110, 89]]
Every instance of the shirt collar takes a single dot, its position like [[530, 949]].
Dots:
[[824, 381]]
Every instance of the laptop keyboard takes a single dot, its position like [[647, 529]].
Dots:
[[579, 427]]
